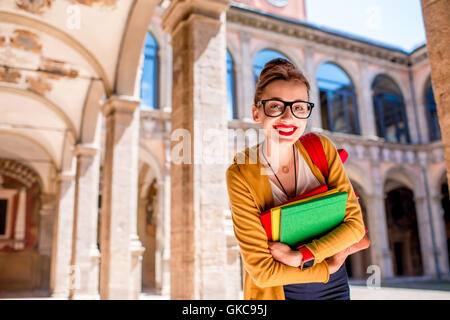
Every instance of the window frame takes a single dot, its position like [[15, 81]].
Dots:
[[8, 195], [156, 61], [344, 93]]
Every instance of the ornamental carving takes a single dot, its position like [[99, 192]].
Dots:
[[34, 6], [18, 171]]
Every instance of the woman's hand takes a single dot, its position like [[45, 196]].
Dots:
[[335, 262], [284, 254]]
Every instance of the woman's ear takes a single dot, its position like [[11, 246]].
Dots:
[[255, 114]]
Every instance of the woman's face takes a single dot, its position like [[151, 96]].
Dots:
[[286, 91]]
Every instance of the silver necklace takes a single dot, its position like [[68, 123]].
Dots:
[[295, 170]]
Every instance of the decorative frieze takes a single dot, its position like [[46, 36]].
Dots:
[[297, 29]]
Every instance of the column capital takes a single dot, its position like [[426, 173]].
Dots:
[[120, 104], [179, 11], [48, 199], [65, 176], [82, 149]]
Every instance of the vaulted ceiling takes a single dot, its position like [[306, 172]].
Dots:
[[58, 60]]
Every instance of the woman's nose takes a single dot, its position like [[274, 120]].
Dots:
[[287, 114]]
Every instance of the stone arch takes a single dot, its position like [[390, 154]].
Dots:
[[357, 174], [47, 104], [35, 142], [286, 51], [234, 51], [126, 81], [395, 78], [422, 87], [438, 180], [404, 176], [344, 65]]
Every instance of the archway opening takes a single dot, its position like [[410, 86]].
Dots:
[[24, 262], [403, 232], [150, 230]]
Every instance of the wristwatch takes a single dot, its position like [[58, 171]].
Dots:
[[308, 257]]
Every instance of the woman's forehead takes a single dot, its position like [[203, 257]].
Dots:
[[286, 90]]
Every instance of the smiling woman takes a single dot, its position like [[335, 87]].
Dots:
[[272, 270]]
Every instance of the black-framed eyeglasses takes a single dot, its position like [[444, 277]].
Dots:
[[276, 107]]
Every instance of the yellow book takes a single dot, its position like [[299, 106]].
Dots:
[[275, 214]]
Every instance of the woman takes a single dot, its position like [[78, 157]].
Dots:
[[272, 269]]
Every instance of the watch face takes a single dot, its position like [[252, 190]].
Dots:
[[278, 3]]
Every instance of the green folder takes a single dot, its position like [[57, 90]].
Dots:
[[307, 220]]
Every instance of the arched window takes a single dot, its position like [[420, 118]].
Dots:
[[262, 57], [433, 122], [337, 100], [390, 113], [231, 97], [149, 80]]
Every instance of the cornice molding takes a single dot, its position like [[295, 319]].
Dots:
[[309, 33]]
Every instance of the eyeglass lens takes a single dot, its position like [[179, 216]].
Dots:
[[275, 108]]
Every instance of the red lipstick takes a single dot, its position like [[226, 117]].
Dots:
[[285, 130]]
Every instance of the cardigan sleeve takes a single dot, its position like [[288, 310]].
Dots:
[[352, 229], [253, 242]]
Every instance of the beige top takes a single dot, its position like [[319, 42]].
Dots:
[[306, 180]]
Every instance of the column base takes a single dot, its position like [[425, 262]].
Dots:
[[86, 297]]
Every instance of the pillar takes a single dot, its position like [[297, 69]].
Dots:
[[47, 215], [85, 254], [425, 237], [441, 233], [60, 274], [314, 96], [436, 15], [366, 112], [121, 250], [380, 253], [246, 86], [198, 191]]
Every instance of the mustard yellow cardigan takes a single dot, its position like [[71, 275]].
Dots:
[[250, 193]]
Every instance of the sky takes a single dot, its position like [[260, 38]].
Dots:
[[396, 23]]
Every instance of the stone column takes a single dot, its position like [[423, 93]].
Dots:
[[198, 191], [436, 15], [47, 214], [432, 233], [60, 275], [165, 288], [247, 80], [424, 229], [85, 253], [378, 234], [121, 251], [316, 117], [19, 229], [441, 233], [366, 110], [376, 216]]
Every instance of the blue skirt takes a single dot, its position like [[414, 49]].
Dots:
[[335, 289]]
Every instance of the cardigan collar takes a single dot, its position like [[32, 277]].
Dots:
[[255, 174]]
